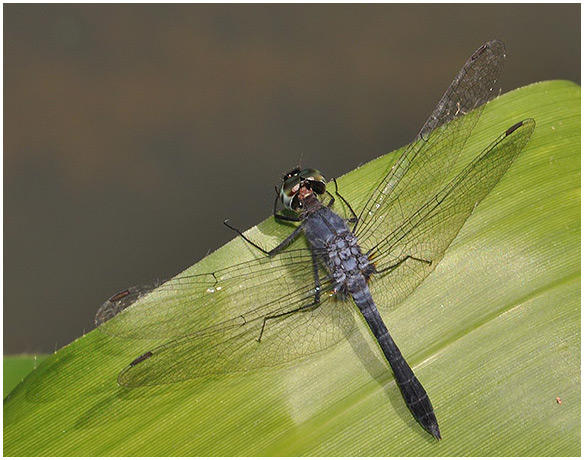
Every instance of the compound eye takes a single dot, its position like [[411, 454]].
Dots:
[[289, 190], [290, 174], [316, 179], [294, 180]]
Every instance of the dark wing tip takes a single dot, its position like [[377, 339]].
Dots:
[[125, 377], [496, 46], [516, 126]]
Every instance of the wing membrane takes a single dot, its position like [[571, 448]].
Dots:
[[261, 298], [189, 303], [411, 252], [424, 166], [285, 339]]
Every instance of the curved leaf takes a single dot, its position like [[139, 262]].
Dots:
[[493, 333]]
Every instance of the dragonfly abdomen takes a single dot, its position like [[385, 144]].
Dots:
[[412, 390]]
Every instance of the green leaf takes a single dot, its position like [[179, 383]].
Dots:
[[16, 368], [493, 333]]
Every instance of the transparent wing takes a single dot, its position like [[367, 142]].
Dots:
[[120, 301], [236, 348], [268, 298], [424, 167], [189, 303], [412, 250]]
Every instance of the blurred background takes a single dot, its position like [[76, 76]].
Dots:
[[132, 131]]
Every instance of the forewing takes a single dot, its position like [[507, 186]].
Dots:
[[122, 300], [411, 251], [423, 168], [229, 296]]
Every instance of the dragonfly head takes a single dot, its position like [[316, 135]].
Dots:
[[298, 184]]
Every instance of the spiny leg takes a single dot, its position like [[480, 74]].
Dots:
[[331, 202], [354, 219], [315, 303], [286, 242], [401, 261]]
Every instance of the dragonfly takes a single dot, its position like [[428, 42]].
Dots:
[[292, 301]]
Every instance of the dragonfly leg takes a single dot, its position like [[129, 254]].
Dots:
[[306, 307], [286, 242], [332, 201], [353, 220], [401, 261], [284, 218], [225, 222]]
